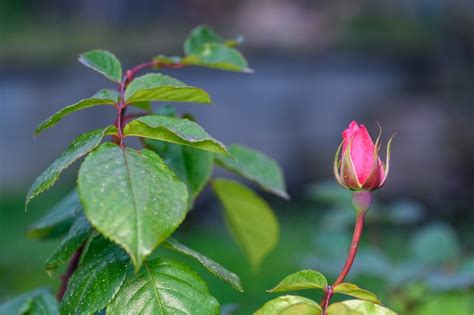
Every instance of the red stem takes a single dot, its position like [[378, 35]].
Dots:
[[73, 263], [127, 78], [359, 225]]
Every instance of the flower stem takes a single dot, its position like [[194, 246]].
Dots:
[[359, 225]]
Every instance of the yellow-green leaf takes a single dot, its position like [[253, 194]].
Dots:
[[356, 307], [250, 219], [290, 305], [301, 280], [354, 291], [159, 87], [176, 130]]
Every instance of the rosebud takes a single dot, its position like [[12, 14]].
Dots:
[[359, 167]]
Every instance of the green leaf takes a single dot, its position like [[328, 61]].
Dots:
[[354, 291], [255, 166], [103, 62], [192, 166], [37, 302], [199, 36], [301, 280], [76, 236], [362, 307], [204, 47], [159, 87], [217, 56], [81, 146], [103, 97], [175, 130], [58, 220], [97, 280], [251, 221], [162, 287], [213, 267], [290, 305], [131, 197]]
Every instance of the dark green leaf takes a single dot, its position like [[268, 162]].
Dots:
[[216, 269], [81, 146], [103, 97], [362, 307], [250, 219], [192, 166], [217, 56], [76, 236], [159, 87], [131, 197], [290, 305], [256, 167], [199, 36], [98, 278], [163, 287], [301, 280], [175, 130], [58, 220], [353, 290], [103, 62]]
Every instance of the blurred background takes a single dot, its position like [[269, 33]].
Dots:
[[408, 65]]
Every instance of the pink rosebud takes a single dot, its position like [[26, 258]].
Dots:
[[360, 167]]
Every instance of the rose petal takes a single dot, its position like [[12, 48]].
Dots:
[[362, 149]]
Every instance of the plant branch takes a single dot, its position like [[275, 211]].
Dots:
[[359, 225], [73, 263], [120, 119], [127, 78]]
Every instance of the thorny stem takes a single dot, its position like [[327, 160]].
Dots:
[[73, 263], [119, 122], [359, 225]]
